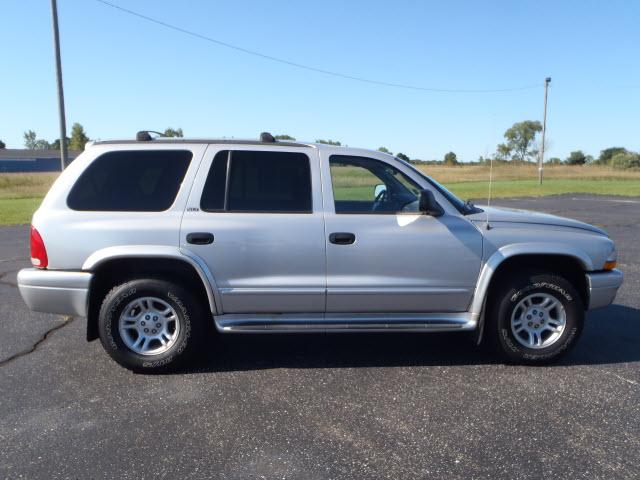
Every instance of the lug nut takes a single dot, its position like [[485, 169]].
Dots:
[[155, 317], [143, 323], [541, 315], [158, 325], [535, 311], [146, 317], [153, 331], [146, 330], [528, 317], [530, 324]]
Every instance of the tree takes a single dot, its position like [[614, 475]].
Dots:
[[170, 132], [78, 137], [608, 153], [33, 143], [521, 138], [56, 143], [404, 157], [626, 159], [2, 145], [576, 158], [385, 150], [450, 159], [30, 139], [329, 142], [554, 161], [503, 152], [42, 144], [285, 137]]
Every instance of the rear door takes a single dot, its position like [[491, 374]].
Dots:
[[255, 217]]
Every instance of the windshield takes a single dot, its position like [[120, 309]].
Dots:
[[462, 206]]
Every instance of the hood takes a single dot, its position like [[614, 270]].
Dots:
[[498, 214]]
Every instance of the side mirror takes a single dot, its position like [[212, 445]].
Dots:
[[429, 205], [377, 191]]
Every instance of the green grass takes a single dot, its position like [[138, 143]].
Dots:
[[16, 211], [552, 186], [21, 193], [516, 188]]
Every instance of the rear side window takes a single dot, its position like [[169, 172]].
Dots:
[[131, 181], [249, 181]]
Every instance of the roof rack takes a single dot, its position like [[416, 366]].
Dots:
[[266, 137], [145, 135]]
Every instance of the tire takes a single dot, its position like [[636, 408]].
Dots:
[[171, 316], [523, 329]]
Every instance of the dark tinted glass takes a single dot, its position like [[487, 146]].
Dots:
[[213, 192], [131, 181], [269, 182]]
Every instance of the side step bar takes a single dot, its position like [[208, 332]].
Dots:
[[340, 322]]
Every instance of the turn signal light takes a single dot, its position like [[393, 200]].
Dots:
[[38, 252], [610, 265]]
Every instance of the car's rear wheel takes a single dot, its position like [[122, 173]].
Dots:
[[534, 317], [148, 325]]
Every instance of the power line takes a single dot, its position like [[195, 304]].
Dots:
[[307, 67]]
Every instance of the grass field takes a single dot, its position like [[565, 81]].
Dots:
[[21, 193]]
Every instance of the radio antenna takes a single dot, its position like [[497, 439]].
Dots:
[[488, 226]]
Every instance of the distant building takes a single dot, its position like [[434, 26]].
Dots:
[[22, 160]]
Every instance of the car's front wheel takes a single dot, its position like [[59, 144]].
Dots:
[[534, 318], [148, 325]]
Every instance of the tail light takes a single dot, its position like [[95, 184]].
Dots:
[[38, 251]]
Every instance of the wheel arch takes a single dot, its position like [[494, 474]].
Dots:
[[114, 265], [567, 261]]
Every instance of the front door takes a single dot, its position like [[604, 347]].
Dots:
[[385, 256], [255, 217]]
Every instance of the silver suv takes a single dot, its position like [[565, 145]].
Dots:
[[156, 240]]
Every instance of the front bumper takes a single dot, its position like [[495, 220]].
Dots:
[[55, 291], [603, 287]]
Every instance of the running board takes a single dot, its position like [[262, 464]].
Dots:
[[340, 322]]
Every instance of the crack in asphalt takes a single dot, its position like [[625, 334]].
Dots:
[[620, 377], [41, 340]]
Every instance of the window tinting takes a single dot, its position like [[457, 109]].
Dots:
[[260, 182], [131, 181], [213, 192]]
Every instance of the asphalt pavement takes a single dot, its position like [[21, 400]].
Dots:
[[394, 406]]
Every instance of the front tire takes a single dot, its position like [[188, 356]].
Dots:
[[150, 325], [534, 318]]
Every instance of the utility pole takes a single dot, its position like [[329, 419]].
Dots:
[[544, 128], [61, 116]]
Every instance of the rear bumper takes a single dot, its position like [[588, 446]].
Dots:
[[54, 291], [603, 287]]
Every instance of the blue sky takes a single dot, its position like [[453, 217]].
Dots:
[[123, 74]]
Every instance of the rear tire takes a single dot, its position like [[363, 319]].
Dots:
[[150, 325], [534, 318]]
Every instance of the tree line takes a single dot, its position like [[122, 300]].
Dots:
[[520, 146], [76, 141]]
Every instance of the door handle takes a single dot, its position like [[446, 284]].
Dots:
[[200, 238], [342, 238]]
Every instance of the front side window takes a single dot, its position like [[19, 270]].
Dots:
[[131, 181], [253, 181], [365, 185]]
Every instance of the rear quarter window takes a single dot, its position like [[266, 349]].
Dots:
[[131, 181]]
